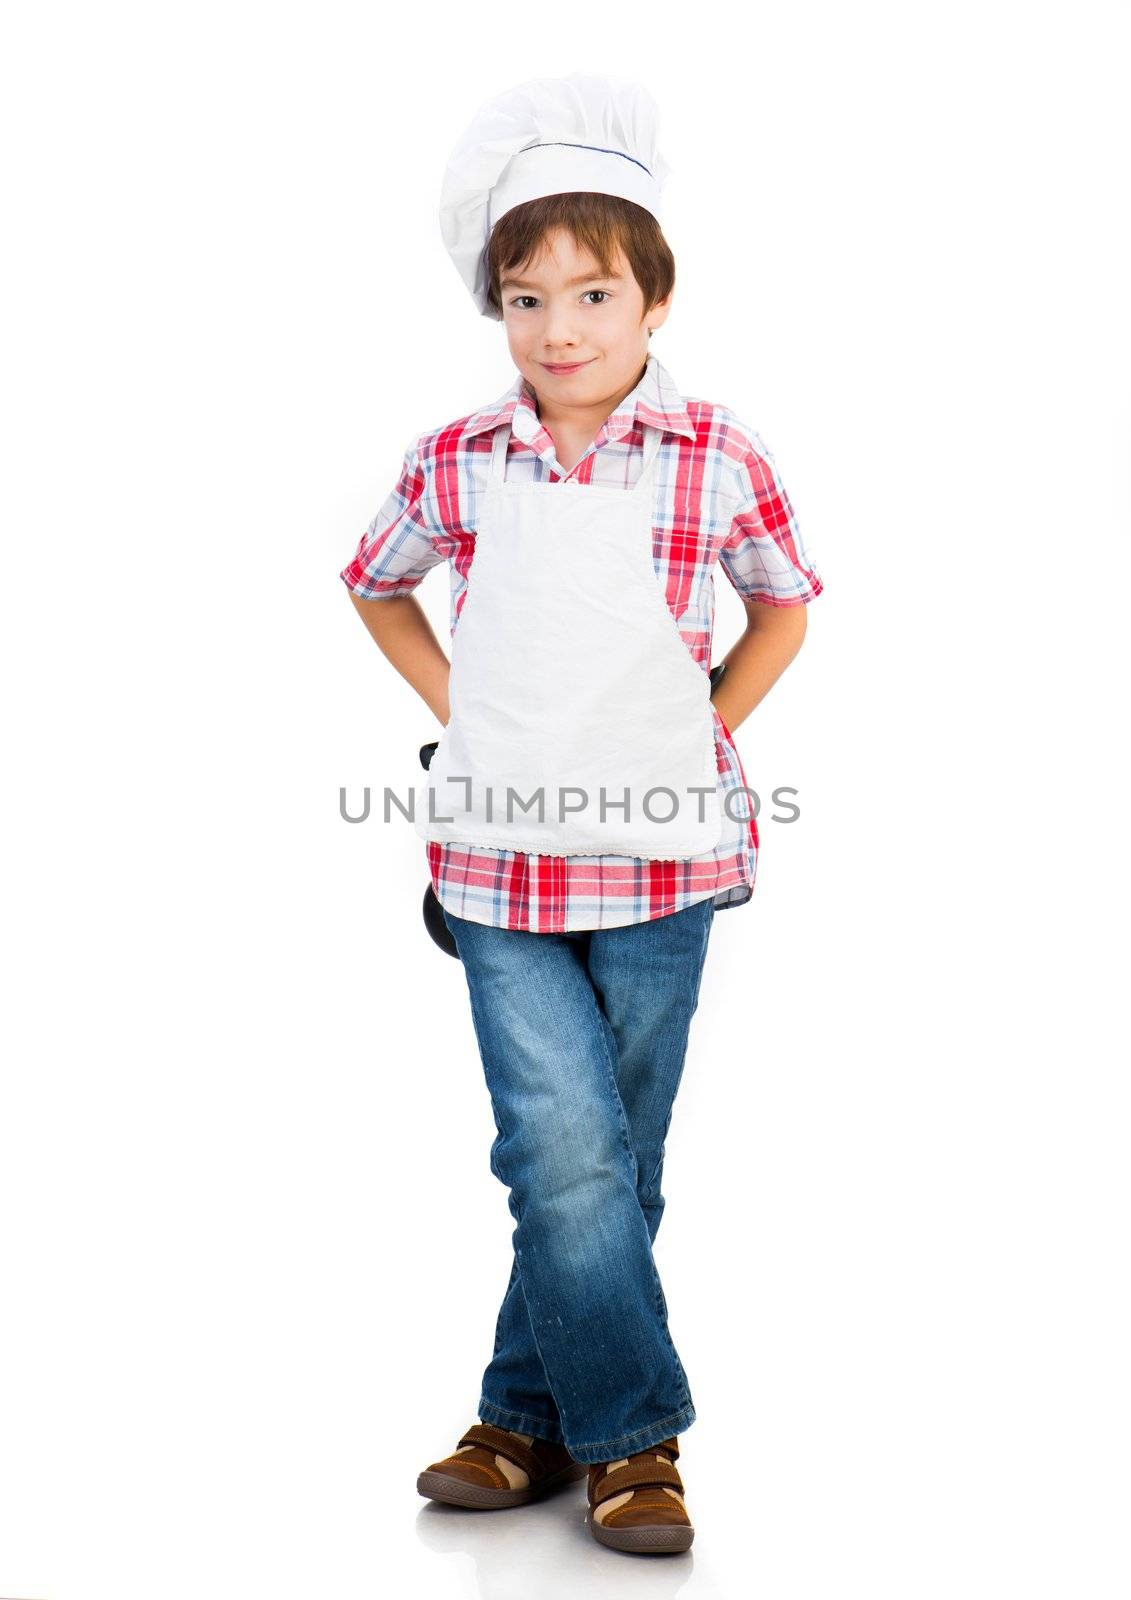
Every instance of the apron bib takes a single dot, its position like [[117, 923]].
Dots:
[[568, 674]]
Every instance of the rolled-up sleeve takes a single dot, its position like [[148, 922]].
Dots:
[[764, 555], [402, 543]]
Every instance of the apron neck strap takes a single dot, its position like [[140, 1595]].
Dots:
[[499, 453], [653, 438]]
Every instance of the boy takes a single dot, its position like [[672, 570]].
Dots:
[[582, 513]]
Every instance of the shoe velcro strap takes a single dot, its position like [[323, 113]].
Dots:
[[504, 1444], [637, 1475]]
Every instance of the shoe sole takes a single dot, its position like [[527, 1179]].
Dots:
[[479, 1497], [662, 1539]]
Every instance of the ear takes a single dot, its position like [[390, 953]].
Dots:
[[659, 314]]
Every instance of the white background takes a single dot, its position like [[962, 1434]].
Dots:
[[251, 1251]]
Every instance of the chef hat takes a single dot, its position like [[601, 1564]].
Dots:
[[586, 132]]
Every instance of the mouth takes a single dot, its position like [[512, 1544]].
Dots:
[[562, 369]]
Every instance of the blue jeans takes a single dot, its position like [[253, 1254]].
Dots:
[[583, 1037]]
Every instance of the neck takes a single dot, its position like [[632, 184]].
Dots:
[[575, 422]]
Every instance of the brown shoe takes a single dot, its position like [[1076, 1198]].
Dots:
[[492, 1467], [636, 1503]]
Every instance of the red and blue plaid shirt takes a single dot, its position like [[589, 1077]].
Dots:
[[718, 499]]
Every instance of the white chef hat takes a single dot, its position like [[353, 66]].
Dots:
[[546, 136]]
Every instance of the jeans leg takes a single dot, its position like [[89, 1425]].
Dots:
[[582, 1349], [647, 985], [515, 1391]]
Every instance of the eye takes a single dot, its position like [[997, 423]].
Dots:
[[605, 292], [515, 301]]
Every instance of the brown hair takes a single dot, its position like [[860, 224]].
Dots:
[[599, 223]]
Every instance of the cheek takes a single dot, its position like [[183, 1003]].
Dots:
[[520, 339]]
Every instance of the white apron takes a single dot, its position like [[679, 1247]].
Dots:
[[568, 676]]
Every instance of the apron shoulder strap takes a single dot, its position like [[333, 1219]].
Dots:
[[653, 438], [499, 444]]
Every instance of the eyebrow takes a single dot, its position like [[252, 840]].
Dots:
[[572, 283]]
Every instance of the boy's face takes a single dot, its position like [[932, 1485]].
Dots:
[[579, 338]]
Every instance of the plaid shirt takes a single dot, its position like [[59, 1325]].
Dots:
[[718, 498]]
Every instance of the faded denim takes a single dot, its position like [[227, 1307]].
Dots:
[[582, 1038]]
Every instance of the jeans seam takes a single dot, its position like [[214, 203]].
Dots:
[[529, 1424], [627, 1438]]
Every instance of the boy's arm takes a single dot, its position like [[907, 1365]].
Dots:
[[766, 560], [773, 636], [402, 544], [404, 635]]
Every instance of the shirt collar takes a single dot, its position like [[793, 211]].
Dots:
[[655, 401]]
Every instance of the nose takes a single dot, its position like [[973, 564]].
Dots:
[[560, 338]]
